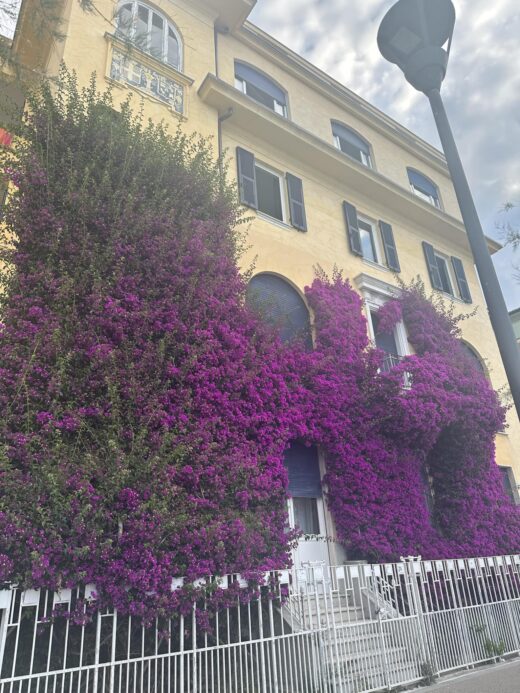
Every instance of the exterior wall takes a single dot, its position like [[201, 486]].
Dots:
[[313, 110], [313, 101], [87, 49]]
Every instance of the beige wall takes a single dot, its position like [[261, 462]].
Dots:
[[313, 111], [275, 247]]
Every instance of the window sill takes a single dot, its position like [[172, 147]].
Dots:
[[276, 222], [451, 297], [376, 265]]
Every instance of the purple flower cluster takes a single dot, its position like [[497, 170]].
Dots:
[[145, 410]]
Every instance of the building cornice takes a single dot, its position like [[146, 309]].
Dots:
[[341, 95]]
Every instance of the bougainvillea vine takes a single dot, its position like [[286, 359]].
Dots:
[[145, 409]]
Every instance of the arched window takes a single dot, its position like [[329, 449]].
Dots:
[[260, 88], [475, 358], [423, 187], [281, 306], [351, 144], [151, 32]]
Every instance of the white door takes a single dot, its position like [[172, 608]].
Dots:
[[307, 514]]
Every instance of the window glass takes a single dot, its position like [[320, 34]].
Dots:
[[366, 235], [444, 275], [306, 515], [150, 32], [124, 20], [280, 305], [157, 36], [259, 95], [269, 193], [173, 49], [475, 358], [141, 29], [423, 187], [351, 144], [386, 342], [506, 482], [260, 88]]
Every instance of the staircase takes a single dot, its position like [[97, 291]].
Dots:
[[360, 642]]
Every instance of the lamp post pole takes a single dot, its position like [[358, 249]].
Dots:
[[498, 314], [416, 35]]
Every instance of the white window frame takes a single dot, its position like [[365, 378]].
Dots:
[[366, 159], [434, 201], [320, 506], [279, 108], [283, 193], [375, 294], [376, 239], [167, 24], [453, 284]]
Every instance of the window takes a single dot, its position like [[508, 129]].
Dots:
[[387, 342], [260, 88], [376, 293], [368, 243], [280, 305], [423, 187], [474, 358], [269, 190], [443, 270], [306, 515], [371, 242], [303, 470], [509, 484], [150, 31], [351, 144], [266, 190]]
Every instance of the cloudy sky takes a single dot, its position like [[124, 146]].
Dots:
[[481, 90]]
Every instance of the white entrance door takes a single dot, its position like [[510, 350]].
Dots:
[[307, 515]]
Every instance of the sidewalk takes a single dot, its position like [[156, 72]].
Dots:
[[503, 677]]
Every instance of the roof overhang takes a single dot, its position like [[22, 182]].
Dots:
[[231, 14]]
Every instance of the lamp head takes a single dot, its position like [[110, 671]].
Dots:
[[416, 35]]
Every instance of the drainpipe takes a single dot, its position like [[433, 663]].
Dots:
[[221, 119]]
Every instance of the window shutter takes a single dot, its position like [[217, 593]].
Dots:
[[304, 471], [462, 282], [297, 206], [431, 262], [352, 228], [389, 244], [247, 178]]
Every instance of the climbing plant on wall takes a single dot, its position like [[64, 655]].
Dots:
[[145, 410]]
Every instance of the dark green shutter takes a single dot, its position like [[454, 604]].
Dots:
[[431, 263], [296, 204], [387, 235], [352, 228], [247, 178], [462, 282]]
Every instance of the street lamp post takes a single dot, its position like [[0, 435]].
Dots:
[[416, 35]]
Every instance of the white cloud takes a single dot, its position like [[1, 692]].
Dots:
[[481, 90]]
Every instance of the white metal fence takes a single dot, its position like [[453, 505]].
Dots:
[[345, 629]]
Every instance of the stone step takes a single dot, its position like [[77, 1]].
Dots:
[[375, 679]]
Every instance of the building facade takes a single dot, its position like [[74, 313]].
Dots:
[[329, 180]]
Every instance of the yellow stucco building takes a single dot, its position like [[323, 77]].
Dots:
[[330, 180]]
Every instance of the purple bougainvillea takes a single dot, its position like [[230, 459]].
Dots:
[[145, 410]]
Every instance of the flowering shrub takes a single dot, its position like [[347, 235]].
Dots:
[[383, 441], [145, 410]]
